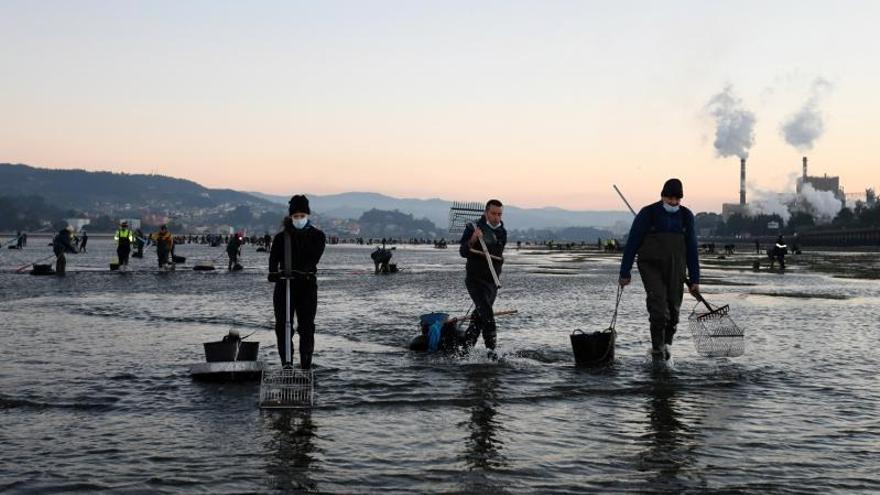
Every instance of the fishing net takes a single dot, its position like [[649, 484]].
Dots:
[[715, 333]]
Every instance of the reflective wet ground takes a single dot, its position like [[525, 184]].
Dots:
[[95, 392]]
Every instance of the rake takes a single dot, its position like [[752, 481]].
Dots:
[[460, 215]]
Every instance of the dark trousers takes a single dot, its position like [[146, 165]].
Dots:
[[483, 293], [82, 247], [60, 264], [163, 256], [662, 268], [122, 253], [233, 259], [303, 306]]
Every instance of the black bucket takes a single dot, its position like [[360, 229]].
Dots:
[[42, 270], [593, 349], [225, 351]]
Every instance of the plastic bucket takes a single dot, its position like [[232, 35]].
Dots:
[[225, 351], [592, 349]]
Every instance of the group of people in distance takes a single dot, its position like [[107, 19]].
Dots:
[[662, 241]]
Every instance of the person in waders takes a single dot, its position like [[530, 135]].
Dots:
[[777, 254], [478, 278], [123, 238], [295, 254], [164, 247], [139, 243], [663, 236], [84, 241], [61, 245], [233, 250]]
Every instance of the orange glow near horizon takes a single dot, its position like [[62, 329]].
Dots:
[[417, 101]]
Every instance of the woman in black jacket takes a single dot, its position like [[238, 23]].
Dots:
[[296, 251]]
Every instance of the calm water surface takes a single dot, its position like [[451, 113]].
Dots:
[[95, 392]]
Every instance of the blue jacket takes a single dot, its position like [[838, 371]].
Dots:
[[655, 216]]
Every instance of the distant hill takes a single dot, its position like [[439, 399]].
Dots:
[[354, 204], [97, 191], [394, 224]]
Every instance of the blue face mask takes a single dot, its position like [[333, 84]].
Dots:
[[300, 223], [670, 208]]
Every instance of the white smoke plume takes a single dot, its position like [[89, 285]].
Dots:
[[805, 126], [823, 205], [734, 125], [770, 203]]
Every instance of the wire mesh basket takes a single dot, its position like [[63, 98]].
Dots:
[[715, 333], [287, 389]]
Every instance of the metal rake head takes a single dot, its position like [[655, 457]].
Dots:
[[461, 213], [287, 389]]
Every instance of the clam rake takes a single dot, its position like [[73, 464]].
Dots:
[[715, 333]]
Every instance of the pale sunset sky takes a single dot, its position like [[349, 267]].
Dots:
[[544, 103]]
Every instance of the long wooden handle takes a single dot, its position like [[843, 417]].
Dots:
[[488, 259], [499, 258], [23, 268], [505, 312]]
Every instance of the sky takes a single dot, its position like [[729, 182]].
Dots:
[[544, 103]]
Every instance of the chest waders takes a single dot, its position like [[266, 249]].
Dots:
[[662, 266]]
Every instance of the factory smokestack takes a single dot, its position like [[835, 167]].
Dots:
[[805, 170], [742, 181]]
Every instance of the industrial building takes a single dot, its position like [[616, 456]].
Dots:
[[824, 183]]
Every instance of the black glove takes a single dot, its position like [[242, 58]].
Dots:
[[274, 277]]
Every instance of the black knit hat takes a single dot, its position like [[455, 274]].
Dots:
[[299, 204], [672, 189]]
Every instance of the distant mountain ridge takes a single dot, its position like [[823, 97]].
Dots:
[[91, 191], [353, 204], [121, 195]]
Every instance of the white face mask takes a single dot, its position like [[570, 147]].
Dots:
[[670, 208], [493, 226], [300, 223]]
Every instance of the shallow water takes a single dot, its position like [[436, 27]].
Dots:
[[95, 392]]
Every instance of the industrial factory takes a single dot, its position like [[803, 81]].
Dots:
[[822, 183]]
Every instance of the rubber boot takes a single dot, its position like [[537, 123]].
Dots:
[[489, 335], [472, 333], [658, 342], [668, 333]]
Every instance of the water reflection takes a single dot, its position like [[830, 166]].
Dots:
[[483, 447], [669, 439], [291, 451]]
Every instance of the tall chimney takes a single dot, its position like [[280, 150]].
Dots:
[[742, 181], [805, 170]]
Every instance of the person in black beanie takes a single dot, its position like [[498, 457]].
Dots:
[[665, 240], [295, 254]]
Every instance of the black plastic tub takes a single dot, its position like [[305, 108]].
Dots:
[[42, 270], [216, 352], [593, 349]]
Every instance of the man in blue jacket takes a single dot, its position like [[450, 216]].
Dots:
[[478, 279], [663, 236]]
